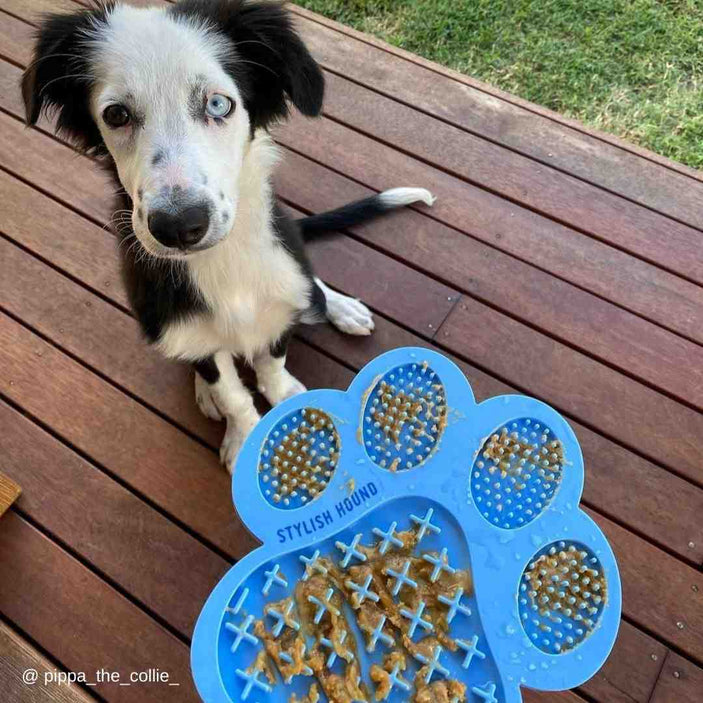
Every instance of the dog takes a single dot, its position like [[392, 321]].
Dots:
[[176, 102]]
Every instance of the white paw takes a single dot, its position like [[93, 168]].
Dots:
[[283, 386], [235, 436], [349, 315], [231, 444], [204, 399]]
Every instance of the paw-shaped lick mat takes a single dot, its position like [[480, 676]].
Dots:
[[417, 546]]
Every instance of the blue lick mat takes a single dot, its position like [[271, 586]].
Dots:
[[408, 529]]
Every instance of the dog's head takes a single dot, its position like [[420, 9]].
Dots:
[[174, 95]]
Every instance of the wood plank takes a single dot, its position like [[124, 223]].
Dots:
[[479, 113], [530, 696], [468, 81], [9, 492], [18, 656], [120, 434], [36, 8], [617, 406], [680, 682], [633, 284], [82, 621], [167, 387], [109, 526]]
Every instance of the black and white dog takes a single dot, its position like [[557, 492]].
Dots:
[[177, 101]]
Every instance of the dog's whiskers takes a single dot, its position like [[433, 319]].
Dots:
[[84, 76], [260, 65], [39, 59]]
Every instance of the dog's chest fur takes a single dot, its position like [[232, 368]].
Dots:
[[244, 293], [254, 294]]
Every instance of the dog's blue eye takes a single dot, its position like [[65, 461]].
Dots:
[[218, 105]]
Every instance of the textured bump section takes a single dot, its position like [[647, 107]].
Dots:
[[298, 458], [404, 417], [562, 596], [517, 473]]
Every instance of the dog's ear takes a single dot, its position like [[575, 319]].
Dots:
[[270, 58], [58, 79], [281, 63]]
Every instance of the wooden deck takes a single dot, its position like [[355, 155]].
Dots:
[[557, 262]]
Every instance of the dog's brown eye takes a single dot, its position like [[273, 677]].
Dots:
[[116, 116]]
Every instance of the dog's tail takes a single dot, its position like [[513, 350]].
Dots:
[[362, 210]]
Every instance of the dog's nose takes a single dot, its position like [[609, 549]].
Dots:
[[182, 229]]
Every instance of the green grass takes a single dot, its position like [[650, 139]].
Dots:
[[630, 67]]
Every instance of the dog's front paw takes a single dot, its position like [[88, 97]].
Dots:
[[280, 387], [204, 399], [237, 432], [231, 444]]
